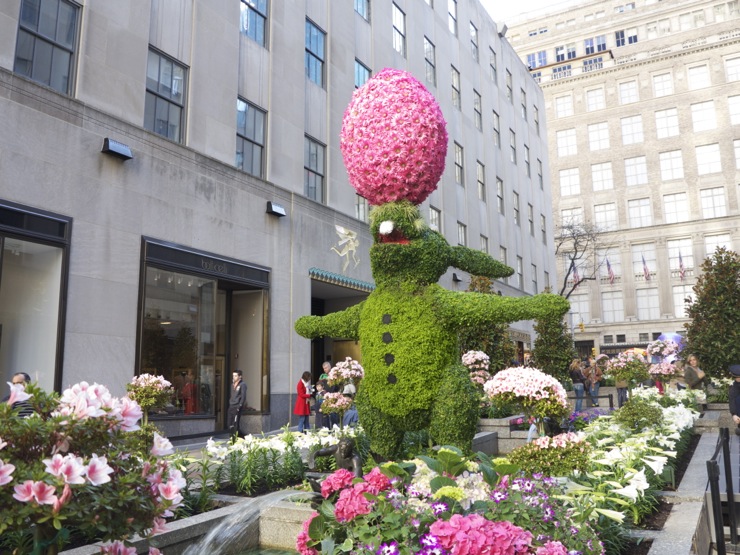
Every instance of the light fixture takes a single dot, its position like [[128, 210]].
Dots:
[[275, 209], [119, 150], [456, 278]]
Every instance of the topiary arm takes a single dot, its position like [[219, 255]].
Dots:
[[475, 309], [343, 324], [478, 263]]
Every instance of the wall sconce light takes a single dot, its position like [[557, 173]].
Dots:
[[119, 150], [456, 278], [275, 209]]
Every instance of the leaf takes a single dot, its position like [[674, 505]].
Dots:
[[347, 545], [441, 481], [327, 546], [432, 463]]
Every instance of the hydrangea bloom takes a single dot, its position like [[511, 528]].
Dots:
[[393, 139]]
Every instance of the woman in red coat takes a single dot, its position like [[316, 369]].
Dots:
[[303, 402]]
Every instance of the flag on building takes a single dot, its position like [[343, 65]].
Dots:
[[681, 267], [645, 270], [574, 269], [610, 272]]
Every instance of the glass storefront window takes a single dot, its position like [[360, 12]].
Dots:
[[30, 287]]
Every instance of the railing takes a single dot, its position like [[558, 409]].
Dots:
[[713, 471]]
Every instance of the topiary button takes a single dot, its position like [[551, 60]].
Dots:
[[386, 318], [392, 378], [389, 359], [387, 337]]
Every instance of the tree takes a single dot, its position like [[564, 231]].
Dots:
[[493, 339], [580, 244], [553, 349], [713, 334]]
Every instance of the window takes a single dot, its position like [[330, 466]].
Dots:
[[253, 18], [698, 77], [635, 171], [671, 165], [619, 38], [563, 106], [675, 208], [680, 253], [543, 228], [523, 97], [713, 242], [362, 7], [566, 52], [579, 308], [315, 42], [708, 159], [570, 183], [362, 208], [456, 99], [595, 44], [595, 100], [666, 123], [430, 62], [601, 176], [571, 216], [462, 234], [662, 84], [452, 16], [533, 269], [592, 64], [680, 294], [496, 130], [643, 261], [399, 31], [47, 38], [566, 141], [732, 69], [561, 71], [631, 35], [658, 28], [435, 219], [612, 307], [530, 218], [509, 87], [615, 263], [536, 118], [474, 42], [598, 136], [547, 280], [165, 90], [605, 216], [519, 272], [492, 66], [481, 178], [477, 111], [528, 166], [632, 130], [314, 160], [733, 105], [608, 339], [713, 202], [484, 244], [515, 199], [540, 176], [638, 211], [362, 74], [690, 20], [725, 11], [703, 116], [736, 145], [537, 59], [459, 167], [502, 254], [512, 146], [628, 92], [648, 305], [250, 138], [500, 205]]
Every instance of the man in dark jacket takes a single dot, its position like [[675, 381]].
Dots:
[[735, 396], [237, 400]]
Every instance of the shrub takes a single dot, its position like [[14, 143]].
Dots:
[[638, 413], [553, 456]]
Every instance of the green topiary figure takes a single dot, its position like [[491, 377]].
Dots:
[[393, 141]]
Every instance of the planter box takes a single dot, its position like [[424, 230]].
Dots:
[[502, 426]]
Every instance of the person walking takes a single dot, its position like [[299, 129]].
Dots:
[[237, 400], [578, 379], [302, 406], [594, 375]]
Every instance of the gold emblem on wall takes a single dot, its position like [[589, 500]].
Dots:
[[347, 246]]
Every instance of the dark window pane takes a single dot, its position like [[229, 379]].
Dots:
[[42, 62], [24, 54], [48, 18], [30, 14], [161, 116], [67, 25], [149, 104]]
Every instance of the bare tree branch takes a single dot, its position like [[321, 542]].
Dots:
[[578, 244]]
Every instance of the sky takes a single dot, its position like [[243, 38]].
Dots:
[[515, 10]]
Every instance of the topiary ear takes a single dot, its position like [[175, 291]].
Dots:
[[478, 263]]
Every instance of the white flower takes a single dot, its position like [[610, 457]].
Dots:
[[656, 463], [629, 491]]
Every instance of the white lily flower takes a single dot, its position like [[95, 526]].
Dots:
[[628, 491], [656, 463]]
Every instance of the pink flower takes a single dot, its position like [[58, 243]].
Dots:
[[63, 500], [40, 492], [2, 444], [552, 548], [377, 481], [351, 503], [393, 139], [474, 535], [69, 468], [159, 526], [24, 491], [162, 446], [340, 479], [6, 471], [117, 548], [98, 470], [154, 551], [301, 542], [128, 412]]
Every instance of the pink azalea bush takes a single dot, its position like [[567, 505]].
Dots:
[[335, 402], [536, 393], [553, 456], [476, 360], [662, 348], [629, 366], [74, 470], [393, 139], [348, 370], [663, 370]]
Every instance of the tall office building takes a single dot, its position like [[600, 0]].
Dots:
[[643, 111], [173, 197]]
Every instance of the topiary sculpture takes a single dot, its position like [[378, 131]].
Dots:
[[394, 142]]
